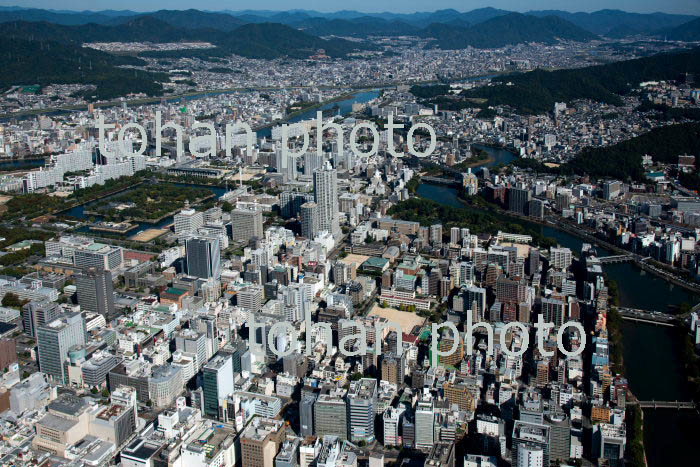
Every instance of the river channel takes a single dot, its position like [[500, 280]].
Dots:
[[651, 353]]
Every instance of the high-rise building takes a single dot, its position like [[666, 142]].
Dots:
[[306, 414], [392, 419], [309, 214], [246, 224], [611, 189], [530, 456], [455, 235], [362, 399], [554, 311], [518, 199], [533, 438], [203, 257], [425, 425], [559, 437], [187, 222], [560, 258], [436, 234], [312, 162], [330, 416], [326, 197], [95, 291], [393, 368], [291, 201], [217, 382], [37, 313], [609, 442], [260, 442], [195, 343], [54, 339]]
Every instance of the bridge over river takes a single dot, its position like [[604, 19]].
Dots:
[[678, 405]]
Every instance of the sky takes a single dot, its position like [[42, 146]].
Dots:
[[397, 6]]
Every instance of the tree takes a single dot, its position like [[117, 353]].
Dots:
[[12, 300]]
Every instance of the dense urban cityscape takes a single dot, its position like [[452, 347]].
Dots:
[[294, 238]]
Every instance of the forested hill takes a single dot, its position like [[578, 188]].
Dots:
[[513, 28], [258, 40], [46, 62], [537, 91], [624, 159]]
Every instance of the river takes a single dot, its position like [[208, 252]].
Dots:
[[651, 353], [18, 164], [344, 108]]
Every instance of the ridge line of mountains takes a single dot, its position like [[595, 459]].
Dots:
[[552, 24], [38, 49]]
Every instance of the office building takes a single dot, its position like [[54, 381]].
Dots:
[[559, 437], [99, 256], [530, 456], [425, 425], [260, 442], [246, 224], [609, 443], [96, 369], [187, 222], [203, 257], [362, 399], [529, 439], [95, 291], [330, 416], [65, 424], [217, 382], [306, 414], [54, 339], [391, 421], [195, 343], [37, 313]]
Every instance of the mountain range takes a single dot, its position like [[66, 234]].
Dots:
[[253, 40], [611, 23], [52, 40], [300, 39]]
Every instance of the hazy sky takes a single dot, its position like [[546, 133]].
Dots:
[[402, 6]]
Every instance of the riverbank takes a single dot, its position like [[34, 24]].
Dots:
[[652, 355], [478, 162], [578, 231], [305, 110], [203, 93]]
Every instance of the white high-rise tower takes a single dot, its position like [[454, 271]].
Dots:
[[326, 197]]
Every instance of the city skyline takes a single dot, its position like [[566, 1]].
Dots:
[[260, 239], [687, 7]]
